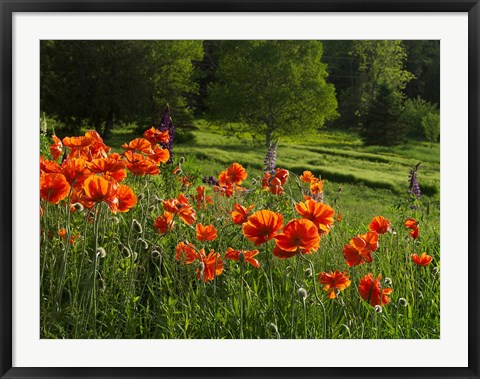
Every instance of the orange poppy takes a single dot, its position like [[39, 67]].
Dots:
[[282, 254], [240, 214], [139, 144], [307, 177], [282, 175], [334, 281], [159, 155], [423, 260], [56, 148], [186, 252], [206, 233], [201, 199], [380, 225], [164, 223], [359, 249], [275, 184], [75, 143], [212, 266], [109, 167], [412, 224], [299, 236], [53, 187], [48, 166], [316, 187], [247, 255], [181, 207], [236, 174], [139, 165], [371, 290], [126, 198], [75, 171], [63, 233], [320, 214], [154, 135], [262, 226], [98, 189]]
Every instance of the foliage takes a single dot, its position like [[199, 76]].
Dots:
[[381, 125], [414, 110], [431, 126], [274, 87], [106, 82]]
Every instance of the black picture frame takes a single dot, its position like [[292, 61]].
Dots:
[[9, 7]]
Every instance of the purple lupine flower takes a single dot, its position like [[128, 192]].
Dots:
[[210, 180], [166, 124], [413, 187], [270, 158]]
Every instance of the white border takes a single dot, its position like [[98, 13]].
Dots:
[[450, 351]]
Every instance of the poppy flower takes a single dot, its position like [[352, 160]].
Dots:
[[75, 143], [139, 165], [63, 234], [240, 214], [307, 177], [164, 223], [282, 254], [299, 236], [212, 266], [320, 214], [371, 290], [53, 187], [138, 144], [154, 135], [236, 174], [49, 167], [275, 184], [186, 252], [247, 256], [206, 233], [98, 189], [262, 226], [423, 260], [181, 207], [380, 225], [159, 155], [126, 198], [282, 175], [359, 249], [75, 171], [201, 199], [109, 167], [334, 281], [412, 224], [316, 187], [56, 148]]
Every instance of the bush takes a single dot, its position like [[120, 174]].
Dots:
[[431, 126], [414, 110]]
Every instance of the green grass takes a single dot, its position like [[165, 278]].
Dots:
[[144, 295]]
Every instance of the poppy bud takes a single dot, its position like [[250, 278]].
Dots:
[[436, 271], [134, 256], [125, 251], [151, 208], [388, 281], [116, 220], [272, 328], [241, 257], [378, 309], [302, 293], [403, 302], [201, 268], [140, 197], [137, 227], [156, 254], [181, 161], [308, 272], [254, 181], [143, 243], [78, 207], [101, 253]]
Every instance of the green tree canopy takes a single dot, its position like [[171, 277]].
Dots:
[[275, 87], [98, 82]]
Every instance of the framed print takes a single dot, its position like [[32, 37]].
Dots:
[[241, 189]]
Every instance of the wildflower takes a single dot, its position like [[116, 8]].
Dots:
[[359, 249], [413, 186], [262, 226], [334, 282], [154, 136], [307, 177], [412, 224], [109, 167], [275, 183], [78, 207], [98, 189], [126, 198], [299, 237], [140, 145], [380, 225], [186, 252], [49, 167], [320, 214], [371, 290], [240, 214], [270, 158], [164, 223], [181, 207], [159, 155], [212, 266], [210, 180], [201, 199], [56, 148], [166, 125], [247, 256], [140, 165], [236, 174], [206, 233], [53, 188], [101, 253], [423, 260], [143, 243], [75, 171]]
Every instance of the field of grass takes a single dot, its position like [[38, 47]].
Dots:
[[138, 289]]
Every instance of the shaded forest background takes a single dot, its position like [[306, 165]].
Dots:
[[387, 91]]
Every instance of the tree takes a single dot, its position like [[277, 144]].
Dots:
[[431, 126], [381, 120], [101, 82], [275, 87]]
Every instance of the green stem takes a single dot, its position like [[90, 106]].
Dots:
[[293, 294]]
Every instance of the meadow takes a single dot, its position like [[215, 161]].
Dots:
[[134, 245]]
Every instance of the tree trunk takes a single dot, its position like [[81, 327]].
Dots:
[[108, 125], [268, 136]]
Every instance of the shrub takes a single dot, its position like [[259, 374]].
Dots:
[[414, 110], [431, 126]]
